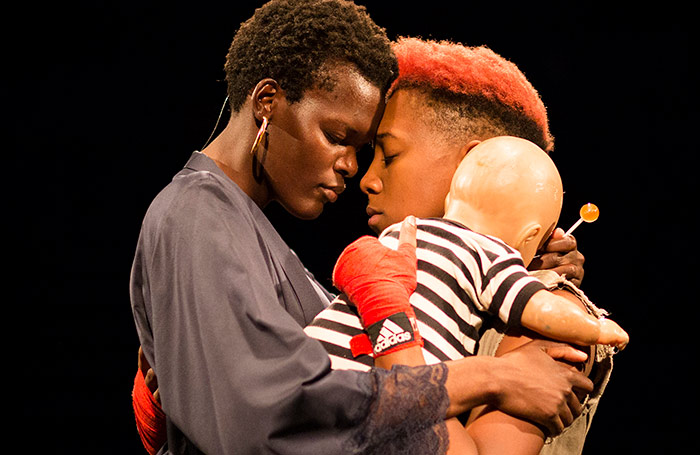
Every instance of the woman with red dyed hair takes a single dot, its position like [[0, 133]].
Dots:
[[447, 98]]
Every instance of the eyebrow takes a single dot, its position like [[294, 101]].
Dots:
[[349, 132], [384, 135]]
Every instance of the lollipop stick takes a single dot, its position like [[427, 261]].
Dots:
[[571, 229]]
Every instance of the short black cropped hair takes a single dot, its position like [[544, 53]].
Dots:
[[291, 41]]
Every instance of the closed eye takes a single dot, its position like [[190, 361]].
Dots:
[[335, 139], [388, 159]]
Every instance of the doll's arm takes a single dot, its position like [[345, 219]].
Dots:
[[555, 317]]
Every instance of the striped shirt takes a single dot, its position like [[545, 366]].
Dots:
[[464, 279]]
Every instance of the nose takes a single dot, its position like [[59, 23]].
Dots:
[[346, 164], [370, 182]]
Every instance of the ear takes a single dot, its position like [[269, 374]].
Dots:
[[265, 97], [527, 236]]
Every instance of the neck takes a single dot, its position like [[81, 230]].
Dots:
[[230, 150]]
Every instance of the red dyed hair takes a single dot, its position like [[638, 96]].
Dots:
[[471, 72]]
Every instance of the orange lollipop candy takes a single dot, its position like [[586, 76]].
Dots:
[[589, 213]]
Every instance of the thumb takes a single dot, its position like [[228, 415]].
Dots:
[[407, 234], [564, 352], [557, 234]]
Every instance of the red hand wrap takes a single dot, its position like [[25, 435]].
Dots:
[[360, 344], [150, 419], [379, 281]]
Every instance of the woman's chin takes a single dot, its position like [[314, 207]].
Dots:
[[307, 211]]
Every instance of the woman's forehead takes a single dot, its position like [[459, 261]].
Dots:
[[403, 115], [409, 121], [348, 98], [343, 84]]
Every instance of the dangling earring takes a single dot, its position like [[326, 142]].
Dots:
[[258, 139]]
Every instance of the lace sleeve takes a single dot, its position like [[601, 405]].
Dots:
[[408, 412]]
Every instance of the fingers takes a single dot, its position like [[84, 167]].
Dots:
[[575, 408], [558, 242], [407, 234], [554, 426], [580, 382], [142, 362], [567, 414], [558, 234], [407, 239], [563, 352], [569, 409], [151, 380], [570, 265], [551, 259], [149, 376]]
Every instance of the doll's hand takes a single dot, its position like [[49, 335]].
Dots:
[[612, 334], [560, 254]]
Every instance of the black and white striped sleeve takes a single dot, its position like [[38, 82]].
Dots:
[[507, 287], [334, 327]]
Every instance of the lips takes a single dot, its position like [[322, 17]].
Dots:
[[332, 191], [374, 216]]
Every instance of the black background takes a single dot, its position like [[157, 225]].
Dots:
[[106, 100]]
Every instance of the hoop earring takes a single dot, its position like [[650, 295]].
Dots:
[[258, 139]]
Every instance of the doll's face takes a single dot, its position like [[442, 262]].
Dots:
[[412, 168]]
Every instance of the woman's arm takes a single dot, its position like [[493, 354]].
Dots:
[[524, 381], [497, 432]]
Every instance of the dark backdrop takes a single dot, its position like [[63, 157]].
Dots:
[[106, 100]]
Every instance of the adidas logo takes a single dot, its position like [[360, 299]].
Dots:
[[390, 335]]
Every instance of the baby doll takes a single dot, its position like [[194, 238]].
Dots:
[[508, 188], [504, 202]]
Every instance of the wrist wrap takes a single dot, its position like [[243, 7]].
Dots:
[[379, 281], [150, 418]]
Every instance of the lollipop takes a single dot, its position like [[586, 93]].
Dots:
[[589, 213]]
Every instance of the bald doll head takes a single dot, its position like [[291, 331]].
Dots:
[[508, 188]]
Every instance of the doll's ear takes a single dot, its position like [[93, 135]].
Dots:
[[529, 234], [528, 240]]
